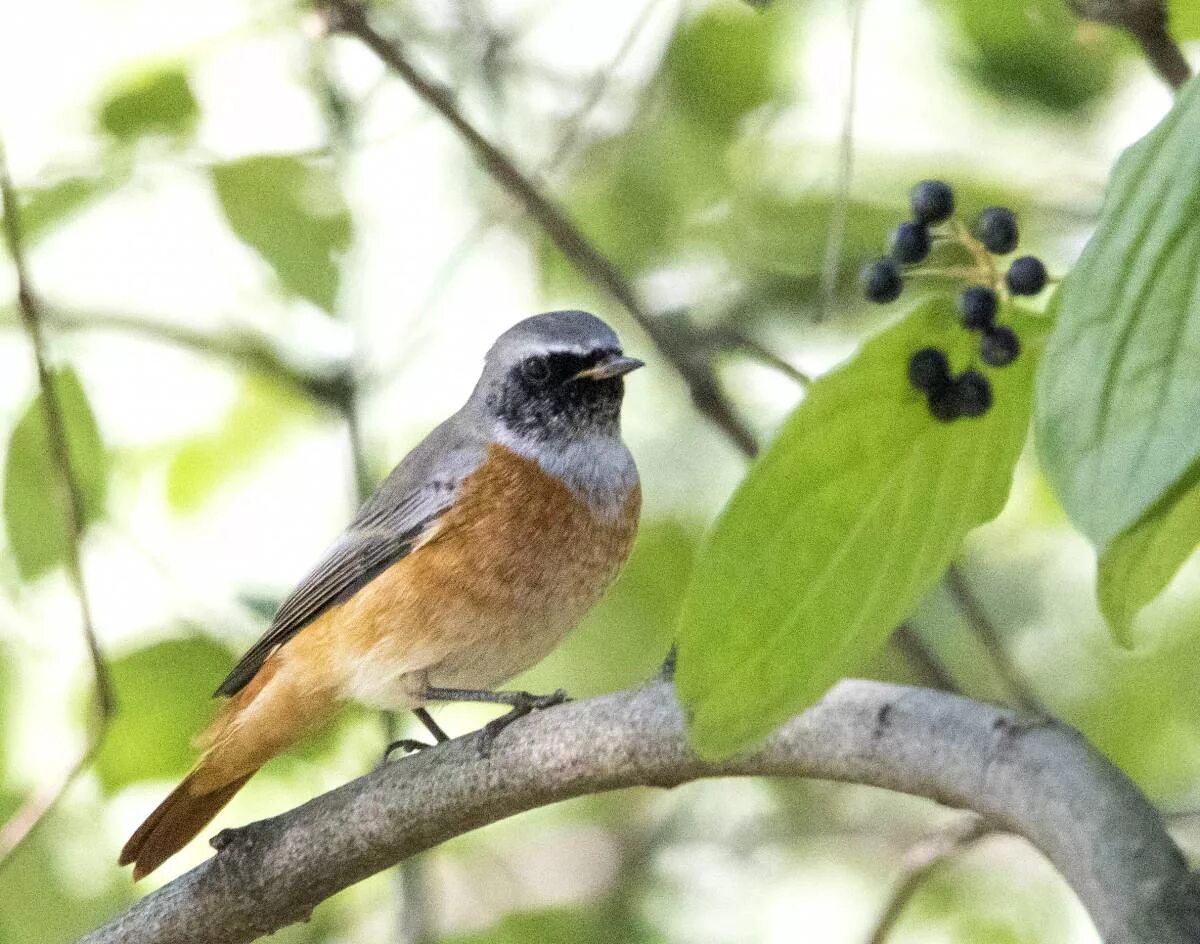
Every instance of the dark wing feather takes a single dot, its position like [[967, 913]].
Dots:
[[392, 522]]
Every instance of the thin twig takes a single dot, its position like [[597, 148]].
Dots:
[[985, 631], [1147, 22], [831, 270], [23, 822], [923, 660], [348, 16], [920, 860]]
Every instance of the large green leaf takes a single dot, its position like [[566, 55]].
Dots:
[[155, 102], [293, 213], [841, 527], [35, 509], [1141, 561], [264, 412], [1117, 395], [165, 690], [1033, 51]]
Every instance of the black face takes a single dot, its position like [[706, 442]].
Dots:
[[539, 396]]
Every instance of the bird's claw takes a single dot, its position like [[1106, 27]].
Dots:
[[522, 704]]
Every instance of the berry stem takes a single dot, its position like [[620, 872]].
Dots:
[[983, 258], [945, 272]]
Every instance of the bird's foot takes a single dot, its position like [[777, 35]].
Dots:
[[522, 704]]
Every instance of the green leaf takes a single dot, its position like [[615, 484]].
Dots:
[[293, 213], [1184, 20], [841, 527], [35, 509], [723, 63], [156, 102], [165, 691], [263, 414], [1117, 397], [43, 208], [1141, 561], [1033, 51]]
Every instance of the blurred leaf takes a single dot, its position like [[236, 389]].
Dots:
[[1184, 20], [562, 926], [261, 416], [632, 196], [789, 236], [7, 706], [841, 527], [1141, 561], [42, 897], [1033, 51], [35, 509], [165, 690], [293, 213], [43, 208], [155, 102], [723, 63], [1117, 398]]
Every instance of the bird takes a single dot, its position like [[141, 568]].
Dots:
[[480, 551]]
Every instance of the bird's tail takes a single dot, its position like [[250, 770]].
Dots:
[[175, 822], [265, 718]]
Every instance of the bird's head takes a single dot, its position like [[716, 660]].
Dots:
[[554, 377]]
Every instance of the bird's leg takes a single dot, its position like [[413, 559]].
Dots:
[[410, 745], [519, 705], [431, 726]]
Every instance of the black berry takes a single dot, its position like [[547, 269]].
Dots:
[[999, 346], [944, 404], [929, 370], [910, 243], [932, 201], [973, 393], [996, 228], [881, 281], [978, 307], [1026, 276]]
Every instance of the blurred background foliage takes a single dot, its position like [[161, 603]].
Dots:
[[256, 248]]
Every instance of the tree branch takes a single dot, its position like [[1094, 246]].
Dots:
[[1146, 22], [1041, 780], [349, 17], [22, 823]]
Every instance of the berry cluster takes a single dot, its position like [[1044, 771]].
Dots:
[[994, 233]]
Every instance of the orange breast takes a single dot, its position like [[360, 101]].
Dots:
[[506, 573]]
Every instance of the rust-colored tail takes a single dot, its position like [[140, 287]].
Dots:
[[175, 823], [280, 706]]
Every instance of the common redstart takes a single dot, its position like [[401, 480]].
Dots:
[[472, 560]]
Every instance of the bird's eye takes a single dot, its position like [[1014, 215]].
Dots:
[[536, 370]]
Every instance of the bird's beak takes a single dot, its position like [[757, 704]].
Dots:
[[616, 366]]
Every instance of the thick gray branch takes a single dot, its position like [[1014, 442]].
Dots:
[[1039, 779]]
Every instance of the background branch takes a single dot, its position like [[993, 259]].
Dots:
[[921, 859], [22, 823], [349, 17], [1042, 781], [1146, 22]]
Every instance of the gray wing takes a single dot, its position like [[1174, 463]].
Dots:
[[389, 525]]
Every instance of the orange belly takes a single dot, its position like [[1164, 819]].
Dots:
[[503, 577]]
